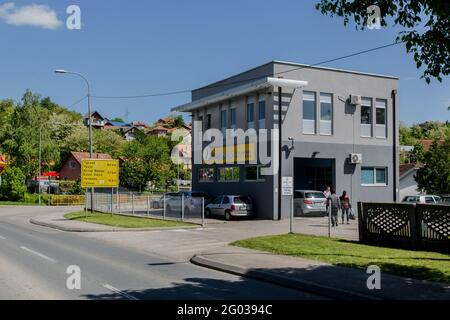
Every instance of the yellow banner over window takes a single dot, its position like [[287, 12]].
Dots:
[[96, 173], [241, 153]]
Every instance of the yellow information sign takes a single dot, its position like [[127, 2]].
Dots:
[[96, 173]]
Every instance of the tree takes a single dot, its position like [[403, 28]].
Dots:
[[434, 176], [13, 185], [147, 160], [430, 47]]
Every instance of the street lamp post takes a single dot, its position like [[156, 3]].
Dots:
[[62, 71]]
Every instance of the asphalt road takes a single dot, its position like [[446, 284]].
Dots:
[[34, 261]]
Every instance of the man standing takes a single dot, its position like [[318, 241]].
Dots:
[[346, 206], [335, 205]]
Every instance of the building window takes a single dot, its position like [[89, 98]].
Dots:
[[250, 113], [381, 118], [326, 114], [371, 176], [72, 164], [366, 118], [253, 173], [223, 121], [262, 112], [208, 121], [206, 175], [233, 117], [309, 112], [229, 174]]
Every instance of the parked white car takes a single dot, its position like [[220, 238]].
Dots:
[[430, 199], [230, 206]]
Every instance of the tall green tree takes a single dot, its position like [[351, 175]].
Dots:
[[147, 161], [425, 23], [434, 176]]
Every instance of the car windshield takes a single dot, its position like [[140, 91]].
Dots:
[[242, 200], [314, 195]]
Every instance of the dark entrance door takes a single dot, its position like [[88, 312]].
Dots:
[[313, 174]]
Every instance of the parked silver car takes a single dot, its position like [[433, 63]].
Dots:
[[191, 200], [430, 199], [230, 206], [309, 203]]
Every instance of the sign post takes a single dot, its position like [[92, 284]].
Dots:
[[287, 189], [99, 173]]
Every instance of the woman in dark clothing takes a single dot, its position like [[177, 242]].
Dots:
[[346, 206]]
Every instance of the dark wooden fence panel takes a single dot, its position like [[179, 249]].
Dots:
[[405, 225]]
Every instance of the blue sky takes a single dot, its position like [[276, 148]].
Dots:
[[143, 46]]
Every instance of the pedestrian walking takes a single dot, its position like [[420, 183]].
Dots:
[[335, 205], [327, 192], [346, 207]]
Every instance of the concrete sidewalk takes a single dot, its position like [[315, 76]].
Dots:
[[316, 277], [56, 220]]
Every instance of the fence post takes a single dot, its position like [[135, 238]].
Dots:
[[148, 205], [414, 226], [118, 200], [329, 219], [361, 223], [164, 206], [86, 194], [132, 203], [182, 207], [203, 212]]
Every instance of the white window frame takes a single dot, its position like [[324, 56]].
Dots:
[[364, 127], [381, 104], [306, 123], [375, 184], [326, 123]]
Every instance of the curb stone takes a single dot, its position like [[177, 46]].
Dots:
[[303, 285], [112, 229]]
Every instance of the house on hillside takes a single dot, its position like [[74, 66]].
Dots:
[[71, 167], [131, 133], [98, 121]]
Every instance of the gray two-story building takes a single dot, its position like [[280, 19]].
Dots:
[[338, 129]]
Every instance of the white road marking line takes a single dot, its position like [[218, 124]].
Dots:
[[43, 256], [119, 292], [2, 238]]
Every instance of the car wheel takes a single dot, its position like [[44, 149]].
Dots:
[[298, 211], [208, 213], [227, 215]]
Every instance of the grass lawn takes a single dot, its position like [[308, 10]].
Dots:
[[123, 221], [413, 264]]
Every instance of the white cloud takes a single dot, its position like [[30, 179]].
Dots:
[[35, 15]]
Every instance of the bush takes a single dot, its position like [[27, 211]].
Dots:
[[34, 199], [76, 188], [13, 185]]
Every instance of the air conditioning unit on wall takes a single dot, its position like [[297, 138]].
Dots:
[[355, 158], [355, 100]]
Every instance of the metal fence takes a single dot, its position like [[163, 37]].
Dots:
[[161, 206], [414, 226], [66, 200]]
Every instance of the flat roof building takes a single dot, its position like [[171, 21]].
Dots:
[[339, 128]]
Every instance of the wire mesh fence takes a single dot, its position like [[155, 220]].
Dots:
[[183, 206]]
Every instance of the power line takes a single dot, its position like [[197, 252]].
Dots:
[[77, 102], [254, 78]]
